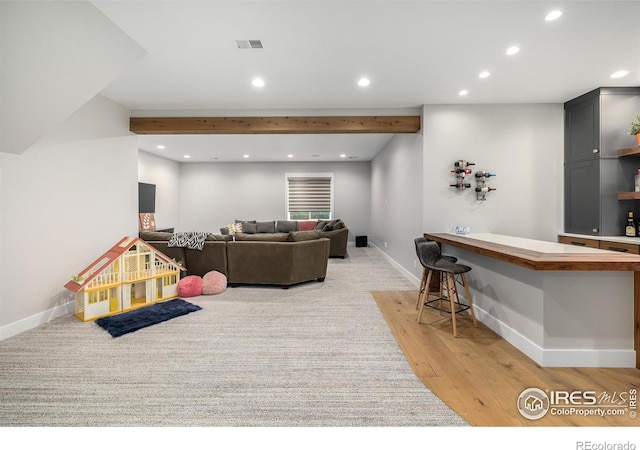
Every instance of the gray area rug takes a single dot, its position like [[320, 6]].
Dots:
[[318, 354]]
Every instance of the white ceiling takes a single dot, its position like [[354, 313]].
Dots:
[[414, 52]]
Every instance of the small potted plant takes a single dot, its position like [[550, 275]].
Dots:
[[635, 128]]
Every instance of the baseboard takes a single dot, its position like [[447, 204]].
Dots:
[[525, 345], [408, 275], [569, 357], [36, 320]]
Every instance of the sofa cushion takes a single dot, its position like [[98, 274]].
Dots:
[[307, 225], [297, 236], [243, 221], [218, 237], [249, 228], [328, 226], [214, 283], [190, 286], [155, 236], [266, 227], [224, 230], [284, 226], [268, 237]]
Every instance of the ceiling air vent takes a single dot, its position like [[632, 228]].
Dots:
[[251, 43]]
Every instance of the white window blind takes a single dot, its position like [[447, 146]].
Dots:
[[309, 193]]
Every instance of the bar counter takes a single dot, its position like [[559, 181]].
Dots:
[[562, 305]]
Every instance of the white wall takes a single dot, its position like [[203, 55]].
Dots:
[[63, 202], [214, 194], [165, 174], [396, 200], [522, 144]]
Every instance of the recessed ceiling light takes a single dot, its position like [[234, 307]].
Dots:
[[258, 82], [484, 74], [289, 156], [364, 82], [462, 93], [553, 15], [512, 50], [620, 74], [343, 156], [187, 156], [160, 147], [245, 156], [315, 156]]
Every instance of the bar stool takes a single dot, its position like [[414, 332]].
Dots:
[[433, 261], [423, 281]]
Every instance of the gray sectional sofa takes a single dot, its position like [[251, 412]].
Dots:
[[334, 230], [280, 259]]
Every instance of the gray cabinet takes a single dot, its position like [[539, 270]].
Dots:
[[596, 127]]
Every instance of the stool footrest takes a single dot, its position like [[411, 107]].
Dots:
[[460, 307]]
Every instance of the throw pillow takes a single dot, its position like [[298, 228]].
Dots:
[[307, 225], [320, 225], [266, 227], [285, 226], [190, 286], [338, 225], [214, 283], [328, 227], [235, 228], [249, 228], [224, 230]]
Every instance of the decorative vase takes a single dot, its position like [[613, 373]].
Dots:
[[638, 138]]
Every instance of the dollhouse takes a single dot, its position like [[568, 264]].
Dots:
[[130, 275]]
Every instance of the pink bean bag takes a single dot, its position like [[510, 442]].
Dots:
[[190, 286], [214, 283]]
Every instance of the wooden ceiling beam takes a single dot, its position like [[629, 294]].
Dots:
[[275, 125]]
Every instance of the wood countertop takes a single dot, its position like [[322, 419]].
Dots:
[[539, 255]]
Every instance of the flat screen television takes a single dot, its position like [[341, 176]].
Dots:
[[146, 198]]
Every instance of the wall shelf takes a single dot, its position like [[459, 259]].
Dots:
[[629, 151], [628, 195]]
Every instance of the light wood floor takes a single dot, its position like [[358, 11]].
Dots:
[[480, 375]]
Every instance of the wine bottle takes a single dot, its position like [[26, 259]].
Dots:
[[461, 185], [630, 230], [484, 174], [458, 171], [462, 163], [485, 189]]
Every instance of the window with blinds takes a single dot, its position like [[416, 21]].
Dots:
[[309, 196]]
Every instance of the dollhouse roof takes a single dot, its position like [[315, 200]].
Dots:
[[122, 246]]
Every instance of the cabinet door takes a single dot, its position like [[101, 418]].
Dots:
[[582, 128], [582, 197]]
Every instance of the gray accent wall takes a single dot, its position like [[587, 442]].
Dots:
[[215, 194], [165, 174], [396, 201], [522, 144]]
